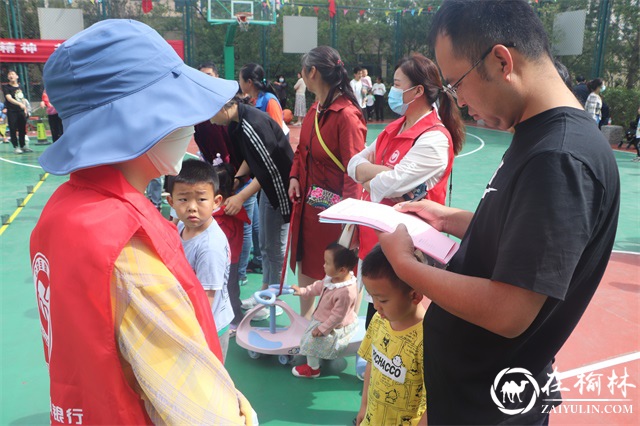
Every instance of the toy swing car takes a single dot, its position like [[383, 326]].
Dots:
[[281, 341]]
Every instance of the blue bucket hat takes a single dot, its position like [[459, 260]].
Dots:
[[119, 88]]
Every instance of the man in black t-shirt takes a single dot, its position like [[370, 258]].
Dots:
[[16, 112], [535, 250]]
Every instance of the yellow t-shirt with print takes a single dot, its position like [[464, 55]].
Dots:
[[396, 393]]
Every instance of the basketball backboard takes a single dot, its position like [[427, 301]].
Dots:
[[257, 12]]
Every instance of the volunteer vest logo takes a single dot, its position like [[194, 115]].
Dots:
[[40, 268], [391, 368], [394, 157], [511, 383]]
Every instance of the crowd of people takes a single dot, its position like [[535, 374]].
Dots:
[[155, 306]]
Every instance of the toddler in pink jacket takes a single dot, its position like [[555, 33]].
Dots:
[[335, 319]]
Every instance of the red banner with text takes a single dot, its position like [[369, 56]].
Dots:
[[23, 50]]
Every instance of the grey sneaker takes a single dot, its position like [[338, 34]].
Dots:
[[27, 149], [266, 313], [17, 150], [261, 315], [248, 303]]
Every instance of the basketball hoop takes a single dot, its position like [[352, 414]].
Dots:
[[243, 20]]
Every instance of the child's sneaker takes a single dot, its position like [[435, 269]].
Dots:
[[305, 371], [361, 367]]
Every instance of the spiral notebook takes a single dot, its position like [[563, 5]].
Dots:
[[385, 218]]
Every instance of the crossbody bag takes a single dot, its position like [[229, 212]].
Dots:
[[319, 197]]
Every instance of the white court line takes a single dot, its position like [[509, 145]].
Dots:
[[475, 150], [600, 365], [19, 164], [625, 252]]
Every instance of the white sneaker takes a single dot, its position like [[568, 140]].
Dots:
[[261, 315], [17, 150], [248, 303], [266, 313]]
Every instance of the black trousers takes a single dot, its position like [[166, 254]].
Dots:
[[378, 105], [17, 127], [55, 124]]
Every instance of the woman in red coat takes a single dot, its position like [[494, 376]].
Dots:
[[343, 130]]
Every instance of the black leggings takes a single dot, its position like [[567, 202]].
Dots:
[[17, 127]]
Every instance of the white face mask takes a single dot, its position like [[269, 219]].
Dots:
[[168, 153]]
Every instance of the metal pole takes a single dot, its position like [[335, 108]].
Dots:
[[398, 38], [605, 33], [333, 22], [188, 32], [103, 9], [10, 18], [229, 58], [18, 28], [21, 69], [601, 38], [14, 24], [263, 47], [267, 57]]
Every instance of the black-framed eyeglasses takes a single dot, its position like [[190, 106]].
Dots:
[[453, 89]]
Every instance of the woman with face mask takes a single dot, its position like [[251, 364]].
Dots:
[[280, 86], [114, 289], [414, 153]]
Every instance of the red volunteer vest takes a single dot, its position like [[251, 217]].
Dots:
[[82, 230], [391, 147]]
